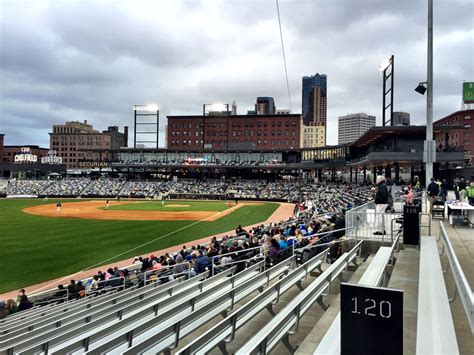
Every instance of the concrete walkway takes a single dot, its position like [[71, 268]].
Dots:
[[283, 212]]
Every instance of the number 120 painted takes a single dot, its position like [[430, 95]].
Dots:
[[370, 308]]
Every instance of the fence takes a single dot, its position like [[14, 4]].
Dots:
[[361, 222], [460, 281]]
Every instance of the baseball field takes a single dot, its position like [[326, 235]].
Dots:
[[40, 243]]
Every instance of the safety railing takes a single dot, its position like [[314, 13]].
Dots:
[[49, 297], [165, 272], [366, 225], [111, 285], [460, 281]]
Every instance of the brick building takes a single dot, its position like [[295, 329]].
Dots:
[[234, 132], [9, 151], [455, 140], [75, 142]]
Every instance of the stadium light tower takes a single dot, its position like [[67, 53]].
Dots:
[[386, 68], [142, 114], [217, 108]]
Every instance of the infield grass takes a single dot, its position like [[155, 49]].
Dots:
[[172, 206], [36, 249]]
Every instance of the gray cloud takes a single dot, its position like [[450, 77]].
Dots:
[[62, 60]]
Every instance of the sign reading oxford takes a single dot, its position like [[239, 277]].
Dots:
[[468, 93], [93, 164]]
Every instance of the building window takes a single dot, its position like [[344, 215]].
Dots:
[[467, 126]]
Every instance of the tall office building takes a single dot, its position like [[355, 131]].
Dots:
[[314, 106], [265, 106], [401, 119], [353, 126]]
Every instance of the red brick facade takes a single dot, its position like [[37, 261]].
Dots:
[[234, 132], [9, 152], [458, 139]]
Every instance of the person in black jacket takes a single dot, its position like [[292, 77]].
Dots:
[[433, 192], [381, 202]]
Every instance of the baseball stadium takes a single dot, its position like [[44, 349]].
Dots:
[[277, 194], [144, 256]]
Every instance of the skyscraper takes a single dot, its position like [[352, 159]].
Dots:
[[314, 106], [353, 126], [265, 106]]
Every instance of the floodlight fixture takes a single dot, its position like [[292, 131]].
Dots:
[[218, 107], [385, 64], [150, 107], [421, 88]]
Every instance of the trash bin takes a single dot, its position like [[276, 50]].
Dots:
[[411, 224]]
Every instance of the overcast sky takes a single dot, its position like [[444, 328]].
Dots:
[[93, 60]]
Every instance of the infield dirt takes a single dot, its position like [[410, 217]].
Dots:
[[94, 210]]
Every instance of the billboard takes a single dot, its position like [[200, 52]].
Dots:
[[468, 93]]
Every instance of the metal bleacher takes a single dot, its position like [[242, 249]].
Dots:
[[286, 322], [98, 326], [435, 328], [373, 276], [224, 331]]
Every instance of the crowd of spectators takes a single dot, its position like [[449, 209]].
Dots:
[[281, 190], [67, 187], [247, 188], [104, 187], [26, 187], [141, 188]]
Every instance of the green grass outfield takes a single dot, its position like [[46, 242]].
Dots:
[[36, 249], [186, 206]]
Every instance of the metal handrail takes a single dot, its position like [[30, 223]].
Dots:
[[461, 283]]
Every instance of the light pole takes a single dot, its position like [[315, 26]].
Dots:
[[429, 149]]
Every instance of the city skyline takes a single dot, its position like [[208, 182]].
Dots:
[[56, 67]]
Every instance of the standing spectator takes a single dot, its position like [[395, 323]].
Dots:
[[409, 196], [381, 202], [462, 188], [456, 188], [470, 193], [444, 190], [433, 192]]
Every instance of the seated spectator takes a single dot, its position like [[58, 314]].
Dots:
[[202, 261], [274, 248], [3, 310], [282, 242], [80, 290], [180, 266], [61, 293], [11, 306], [23, 301], [95, 283]]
